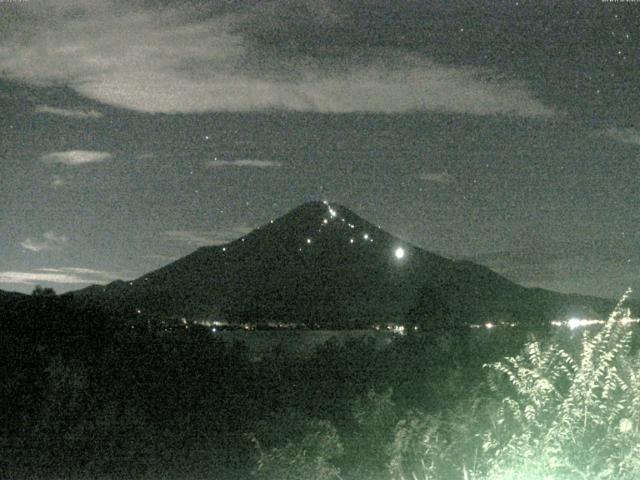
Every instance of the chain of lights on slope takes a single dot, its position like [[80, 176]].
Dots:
[[399, 252]]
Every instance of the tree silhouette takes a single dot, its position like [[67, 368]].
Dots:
[[41, 291]]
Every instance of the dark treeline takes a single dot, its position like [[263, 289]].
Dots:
[[88, 395]]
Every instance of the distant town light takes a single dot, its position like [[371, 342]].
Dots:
[[399, 253], [308, 240], [574, 323], [366, 236]]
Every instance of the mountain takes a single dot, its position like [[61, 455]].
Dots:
[[323, 265]]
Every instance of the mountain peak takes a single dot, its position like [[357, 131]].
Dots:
[[322, 264]]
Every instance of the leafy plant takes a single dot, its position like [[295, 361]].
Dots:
[[566, 416], [310, 457]]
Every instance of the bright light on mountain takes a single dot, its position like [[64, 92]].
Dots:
[[399, 253]]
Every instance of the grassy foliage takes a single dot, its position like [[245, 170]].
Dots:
[[550, 412], [147, 404], [311, 456], [568, 416]]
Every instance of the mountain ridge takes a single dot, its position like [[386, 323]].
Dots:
[[325, 266]]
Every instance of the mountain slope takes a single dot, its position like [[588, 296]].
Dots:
[[323, 265]]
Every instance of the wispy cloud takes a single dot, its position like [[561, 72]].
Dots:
[[243, 163], [65, 275], [69, 112], [200, 238], [76, 157], [624, 135], [184, 61], [437, 177], [57, 181], [50, 242]]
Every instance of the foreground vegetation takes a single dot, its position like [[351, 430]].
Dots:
[[86, 396]]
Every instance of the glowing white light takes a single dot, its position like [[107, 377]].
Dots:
[[138, 311], [366, 236], [399, 253], [626, 320], [224, 249], [308, 240], [351, 240], [332, 212], [574, 323], [397, 329], [271, 221], [488, 325], [325, 221]]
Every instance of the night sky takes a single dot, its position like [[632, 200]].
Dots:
[[134, 132]]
